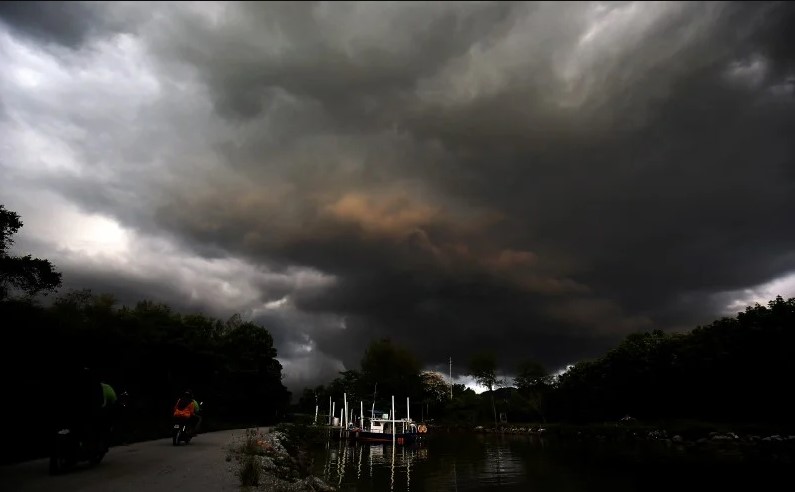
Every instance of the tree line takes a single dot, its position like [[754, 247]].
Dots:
[[736, 369], [148, 350]]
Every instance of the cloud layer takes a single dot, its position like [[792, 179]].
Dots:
[[539, 179]]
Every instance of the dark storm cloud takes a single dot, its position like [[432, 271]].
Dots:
[[539, 179], [349, 57], [65, 23], [659, 171]]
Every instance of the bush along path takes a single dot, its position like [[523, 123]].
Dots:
[[275, 460]]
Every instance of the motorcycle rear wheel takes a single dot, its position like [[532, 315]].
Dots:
[[97, 459], [58, 462]]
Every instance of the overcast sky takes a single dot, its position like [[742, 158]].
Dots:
[[537, 179]]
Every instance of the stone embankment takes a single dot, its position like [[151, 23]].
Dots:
[[266, 460], [784, 443]]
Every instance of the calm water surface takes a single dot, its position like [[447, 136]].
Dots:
[[513, 463]]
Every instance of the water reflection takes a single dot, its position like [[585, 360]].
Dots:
[[464, 462], [500, 465], [474, 462], [347, 463], [457, 465]]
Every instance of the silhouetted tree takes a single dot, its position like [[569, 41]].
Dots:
[[435, 391], [392, 367], [22, 273], [483, 367], [531, 381]]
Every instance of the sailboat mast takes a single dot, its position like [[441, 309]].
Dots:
[[451, 378]]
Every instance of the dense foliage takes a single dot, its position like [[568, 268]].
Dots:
[[733, 370], [147, 350], [387, 369]]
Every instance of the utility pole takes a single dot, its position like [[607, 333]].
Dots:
[[451, 378]]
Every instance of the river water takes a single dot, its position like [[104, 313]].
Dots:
[[465, 462]]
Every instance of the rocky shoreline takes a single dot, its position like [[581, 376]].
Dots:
[[268, 460], [780, 445], [277, 460], [653, 434]]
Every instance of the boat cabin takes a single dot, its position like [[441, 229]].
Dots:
[[384, 425]]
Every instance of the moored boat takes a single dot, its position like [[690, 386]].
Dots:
[[385, 428]]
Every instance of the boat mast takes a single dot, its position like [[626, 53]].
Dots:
[[393, 423], [451, 378], [345, 402]]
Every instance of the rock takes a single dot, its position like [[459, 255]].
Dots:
[[268, 464], [315, 483], [703, 440], [657, 434], [677, 439]]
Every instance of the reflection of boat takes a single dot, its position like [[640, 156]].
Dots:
[[349, 459]]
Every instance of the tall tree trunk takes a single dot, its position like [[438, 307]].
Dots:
[[539, 404]]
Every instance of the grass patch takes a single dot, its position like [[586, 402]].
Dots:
[[249, 452], [250, 472], [253, 444]]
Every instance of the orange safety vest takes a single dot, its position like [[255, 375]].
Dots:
[[185, 413]]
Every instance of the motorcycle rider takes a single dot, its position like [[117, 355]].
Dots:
[[109, 411], [188, 408], [88, 406]]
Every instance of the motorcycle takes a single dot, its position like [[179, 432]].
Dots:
[[70, 446], [182, 430]]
